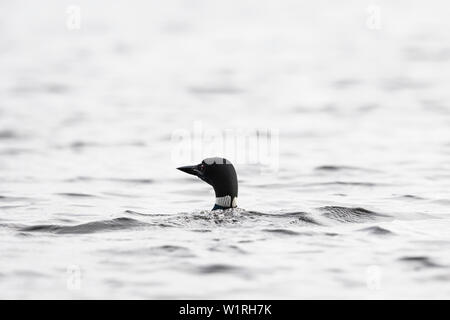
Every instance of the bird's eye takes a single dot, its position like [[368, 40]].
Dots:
[[202, 167]]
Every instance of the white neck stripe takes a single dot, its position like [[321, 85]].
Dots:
[[226, 202]]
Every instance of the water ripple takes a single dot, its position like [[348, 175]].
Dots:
[[90, 227]]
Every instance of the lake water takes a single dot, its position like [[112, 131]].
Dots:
[[352, 201]]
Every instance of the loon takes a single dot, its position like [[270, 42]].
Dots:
[[220, 174]]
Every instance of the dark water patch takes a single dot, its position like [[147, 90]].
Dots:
[[442, 201], [331, 234], [346, 83], [420, 262], [165, 138], [376, 230], [164, 225], [412, 197], [90, 227], [172, 250], [112, 282], [435, 106], [24, 235], [111, 262], [56, 88], [227, 249], [9, 225], [366, 108], [82, 144], [216, 90], [308, 251], [131, 180], [76, 195], [218, 268], [8, 135], [13, 206], [344, 214], [343, 183], [29, 274], [285, 232], [201, 230], [8, 198], [346, 282], [65, 220], [74, 119], [15, 151], [307, 220], [119, 180], [334, 168], [121, 195], [442, 277], [122, 48], [400, 83], [237, 249]]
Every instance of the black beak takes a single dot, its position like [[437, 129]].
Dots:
[[190, 170]]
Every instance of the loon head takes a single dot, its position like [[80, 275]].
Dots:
[[220, 174]]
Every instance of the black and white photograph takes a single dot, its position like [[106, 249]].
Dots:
[[224, 150]]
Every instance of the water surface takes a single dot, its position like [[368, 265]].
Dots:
[[91, 205]]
